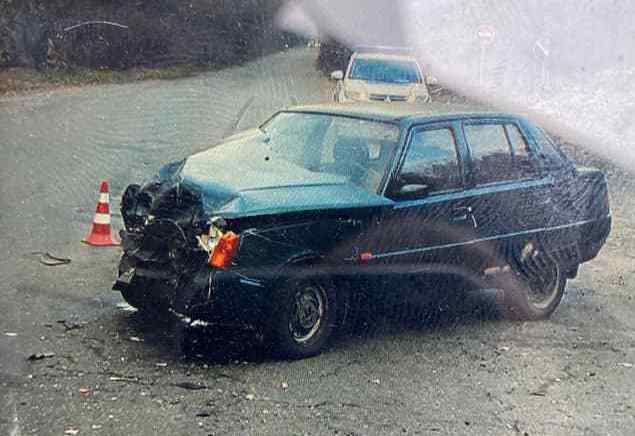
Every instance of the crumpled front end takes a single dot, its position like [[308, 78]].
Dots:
[[162, 263], [170, 245]]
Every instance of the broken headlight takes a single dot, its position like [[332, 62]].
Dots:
[[221, 245], [135, 205]]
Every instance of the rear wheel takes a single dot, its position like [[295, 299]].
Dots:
[[305, 319], [536, 289]]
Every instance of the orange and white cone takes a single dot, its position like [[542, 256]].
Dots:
[[101, 231]]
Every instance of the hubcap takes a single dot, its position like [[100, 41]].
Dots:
[[307, 312]]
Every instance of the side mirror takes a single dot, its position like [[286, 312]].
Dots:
[[337, 75], [412, 192]]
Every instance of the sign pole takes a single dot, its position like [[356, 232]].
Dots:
[[485, 34], [481, 63]]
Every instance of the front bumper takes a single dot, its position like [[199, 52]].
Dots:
[[192, 288], [209, 295]]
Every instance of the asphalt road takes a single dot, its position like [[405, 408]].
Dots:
[[114, 372]]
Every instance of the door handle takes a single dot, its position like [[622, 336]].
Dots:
[[463, 214], [460, 214]]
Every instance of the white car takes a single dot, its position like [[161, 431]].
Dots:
[[381, 76]]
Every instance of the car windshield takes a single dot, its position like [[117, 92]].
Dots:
[[387, 71], [351, 149]]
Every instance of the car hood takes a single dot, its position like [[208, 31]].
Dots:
[[233, 188]]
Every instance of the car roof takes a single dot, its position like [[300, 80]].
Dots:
[[398, 113], [384, 56]]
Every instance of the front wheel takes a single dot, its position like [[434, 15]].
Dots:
[[305, 318], [536, 289]]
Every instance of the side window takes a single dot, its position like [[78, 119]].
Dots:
[[547, 149], [491, 154], [524, 163], [432, 160]]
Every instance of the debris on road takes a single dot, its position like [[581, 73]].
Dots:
[[124, 379], [190, 386], [48, 259], [125, 307], [40, 356], [71, 325]]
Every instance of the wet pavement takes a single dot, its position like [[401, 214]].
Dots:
[[112, 371]]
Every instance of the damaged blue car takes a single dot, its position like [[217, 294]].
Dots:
[[280, 225]]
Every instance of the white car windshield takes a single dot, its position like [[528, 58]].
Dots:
[[386, 71]]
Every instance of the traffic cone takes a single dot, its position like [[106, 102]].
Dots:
[[101, 232]]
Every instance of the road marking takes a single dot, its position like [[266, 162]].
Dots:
[[15, 431]]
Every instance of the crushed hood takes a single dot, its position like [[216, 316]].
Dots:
[[243, 178]]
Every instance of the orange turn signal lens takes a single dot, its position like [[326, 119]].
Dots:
[[365, 257], [225, 251]]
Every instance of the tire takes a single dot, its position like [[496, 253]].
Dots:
[[535, 290], [304, 319]]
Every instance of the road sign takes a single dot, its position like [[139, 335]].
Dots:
[[486, 33]]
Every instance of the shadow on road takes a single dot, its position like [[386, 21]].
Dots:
[[372, 319]]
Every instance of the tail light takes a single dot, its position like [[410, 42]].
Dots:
[[225, 250]]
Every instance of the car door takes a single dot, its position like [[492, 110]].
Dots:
[[510, 194], [425, 229]]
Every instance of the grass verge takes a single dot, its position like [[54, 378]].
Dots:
[[23, 80]]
